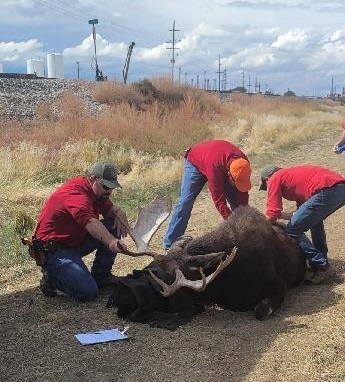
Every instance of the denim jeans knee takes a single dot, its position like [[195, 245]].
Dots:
[[67, 271], [192, 183]]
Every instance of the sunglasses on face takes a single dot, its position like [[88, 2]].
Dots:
[[105, 187]]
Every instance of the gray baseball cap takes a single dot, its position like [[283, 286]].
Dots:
[[106, 173], [266, 172]]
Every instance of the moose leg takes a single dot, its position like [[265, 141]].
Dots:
[[273, 300]]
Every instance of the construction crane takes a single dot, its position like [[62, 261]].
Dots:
[[126, 66]]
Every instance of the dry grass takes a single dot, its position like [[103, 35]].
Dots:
[[304, 340]]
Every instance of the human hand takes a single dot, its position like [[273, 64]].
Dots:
[[286, 215], [336, 150], [121, 224], [117, 246]]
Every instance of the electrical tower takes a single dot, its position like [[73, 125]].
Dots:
[[173, 42], [256, 86], [126, 66], [219, 73], [78, 70], [243, 88], [224, 80], [99, 74]]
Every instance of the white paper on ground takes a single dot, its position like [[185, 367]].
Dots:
[[89, 338]]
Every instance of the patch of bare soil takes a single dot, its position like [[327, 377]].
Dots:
[[303, 341]]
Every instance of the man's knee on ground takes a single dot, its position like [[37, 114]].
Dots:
[[86, 293]]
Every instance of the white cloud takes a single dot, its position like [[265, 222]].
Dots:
[[335, 36], [13, 51], [293, 40], [104, 48], [328, 57], [152, 54], [258, 57]]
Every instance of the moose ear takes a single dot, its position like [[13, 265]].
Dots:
[[182, 241]]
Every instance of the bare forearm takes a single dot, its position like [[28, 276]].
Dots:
[[97, 230], [121, 224], [284, 215]]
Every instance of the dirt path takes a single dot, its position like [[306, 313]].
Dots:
[[303, 341]]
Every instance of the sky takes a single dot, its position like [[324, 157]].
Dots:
[[281, 45]]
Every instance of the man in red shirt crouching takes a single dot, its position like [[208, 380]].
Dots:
[[318, 192], [69, 228]]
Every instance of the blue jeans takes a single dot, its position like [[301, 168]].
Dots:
[[193, 182], [310, 216], [67, 271]]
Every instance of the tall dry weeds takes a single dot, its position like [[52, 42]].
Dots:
[[146, 143]]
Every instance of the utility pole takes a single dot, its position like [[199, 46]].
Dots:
[[225, 80], [249, 85], [206, 88], [173, 42], [197, 81], [243, 81], [77, 62], [126, 66], [99, 74], [185, 77], [219, 73]]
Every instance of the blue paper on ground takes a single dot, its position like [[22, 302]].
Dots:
[[340, 148], [89, 338]]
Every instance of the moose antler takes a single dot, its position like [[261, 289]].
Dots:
[[197, 285], [150, 218]]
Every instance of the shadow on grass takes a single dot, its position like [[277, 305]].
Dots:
[[37, 340]]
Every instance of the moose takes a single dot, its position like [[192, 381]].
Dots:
[[245, 263]]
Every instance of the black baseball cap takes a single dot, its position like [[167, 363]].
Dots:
[[106, 173]]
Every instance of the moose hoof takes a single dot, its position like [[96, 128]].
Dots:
[[263, 310]]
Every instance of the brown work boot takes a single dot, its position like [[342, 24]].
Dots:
[[321, 274], [47, 287]]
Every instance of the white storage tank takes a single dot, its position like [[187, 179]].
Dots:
[[55, 65], [35, 66]]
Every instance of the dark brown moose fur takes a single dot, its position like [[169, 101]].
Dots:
[[266, 264]]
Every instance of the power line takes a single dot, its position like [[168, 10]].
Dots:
[[81, 16]]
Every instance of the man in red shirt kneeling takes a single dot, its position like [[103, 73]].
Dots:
[[69, 228], [318, 192]]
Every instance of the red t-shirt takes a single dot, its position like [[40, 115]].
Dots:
[[68, 210], [212, 159], [297, 184]]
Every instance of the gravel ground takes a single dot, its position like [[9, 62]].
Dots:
[[19, 97]]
